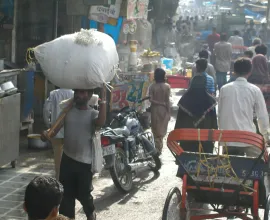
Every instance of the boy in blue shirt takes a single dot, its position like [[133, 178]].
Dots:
[[201, 66]]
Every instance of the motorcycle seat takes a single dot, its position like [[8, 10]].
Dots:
[[122, 131]]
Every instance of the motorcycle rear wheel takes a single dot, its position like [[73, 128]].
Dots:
[[120, 171]]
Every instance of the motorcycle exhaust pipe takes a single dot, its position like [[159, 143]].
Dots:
[[138, 165]]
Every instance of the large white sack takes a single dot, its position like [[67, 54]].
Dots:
[[83, 60]]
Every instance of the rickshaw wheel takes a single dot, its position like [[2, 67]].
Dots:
[[174, 197], [267, 209]]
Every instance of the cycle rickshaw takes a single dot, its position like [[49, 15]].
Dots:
[[219, 180]]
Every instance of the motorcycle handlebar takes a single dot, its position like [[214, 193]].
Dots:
[[144, 99], [129, 109], [141, 100]]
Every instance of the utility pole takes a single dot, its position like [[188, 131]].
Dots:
[[268, 14]]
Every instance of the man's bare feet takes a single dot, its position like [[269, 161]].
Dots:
[[92, 217]]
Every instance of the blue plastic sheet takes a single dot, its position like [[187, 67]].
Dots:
[[7, 7], [204, 34], [167, 62], [251, 13]]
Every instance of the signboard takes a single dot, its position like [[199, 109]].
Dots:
[[99, 13], [104, 14], [137, 9], [128, 89], [238, 167]]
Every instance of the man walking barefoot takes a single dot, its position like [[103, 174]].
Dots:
[[75, 170]]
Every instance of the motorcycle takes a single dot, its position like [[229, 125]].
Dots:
[[128, 146]]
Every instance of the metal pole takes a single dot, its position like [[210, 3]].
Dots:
[[14, 38], [56, 7], [55, 35], [14, 32], [268, 14]]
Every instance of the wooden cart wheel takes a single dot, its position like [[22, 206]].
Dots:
[[267, 209], [172, 208]]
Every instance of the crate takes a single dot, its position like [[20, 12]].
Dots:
[[178, 81]]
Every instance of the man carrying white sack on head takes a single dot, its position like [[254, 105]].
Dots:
[[85, 61], [79, 123]]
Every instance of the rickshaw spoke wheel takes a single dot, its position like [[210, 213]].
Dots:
[[172, 207]]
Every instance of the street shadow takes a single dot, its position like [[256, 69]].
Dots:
[[111, 195], [33, 161]]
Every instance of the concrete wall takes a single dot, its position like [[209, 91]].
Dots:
[[35, 25]]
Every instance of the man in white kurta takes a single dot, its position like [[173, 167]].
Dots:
[[237, 102]]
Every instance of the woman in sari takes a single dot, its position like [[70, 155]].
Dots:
[[159, 93], [260, 70], [197, 110]]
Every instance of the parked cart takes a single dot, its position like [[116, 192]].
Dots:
[[178, 81], [218, 180]]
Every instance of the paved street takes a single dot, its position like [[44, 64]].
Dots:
[[13, 182], [144, 202]]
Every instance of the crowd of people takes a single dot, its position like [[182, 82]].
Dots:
[[190, 24], [238, 97], [225, 51], [238, 102], [181, 31], [241, 103]]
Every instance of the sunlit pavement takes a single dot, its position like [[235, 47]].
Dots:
[[14, 181], [144, 202]]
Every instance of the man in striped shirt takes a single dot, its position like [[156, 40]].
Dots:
[[201, 66]]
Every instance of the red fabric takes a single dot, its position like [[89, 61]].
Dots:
[[212, 39], [179, 82]]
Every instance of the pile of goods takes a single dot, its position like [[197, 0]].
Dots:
[[83, 60], [150, 58], [149, 53]]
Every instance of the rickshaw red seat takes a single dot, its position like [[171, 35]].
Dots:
[[246, 137]]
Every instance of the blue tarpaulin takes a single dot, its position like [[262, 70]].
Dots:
[[7, 7], [254, 14], [204, 34]]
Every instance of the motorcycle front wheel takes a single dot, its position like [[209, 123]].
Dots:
[[120, 172]]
